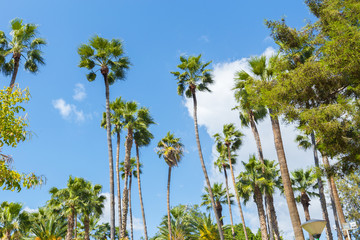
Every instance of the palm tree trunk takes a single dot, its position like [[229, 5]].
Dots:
[[335, 198], [168, 204], [118, 178], [274, 222], [261, 212], [130, 211], [219, 212], [16, 57], [237, 194], [333, 206], [268, 219], [111, 167], [288, 191], [229, 203], [221, 234], [272, 219], [75, 226], [87, 227], [140, 193], [70, 226], [321, 191], [8, 235], [128, 145], [305, 203]]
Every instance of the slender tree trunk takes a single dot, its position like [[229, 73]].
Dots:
[[8, 235], [16, 57], [105, 72], [87, 227], [338, 214], [321, 191], [168, 204], [118, 179], [75, 226], [305, 202], [288, 191], [338, 229], [70, 226], [273, 223], [130, 211], [229, 203], [261, 212], [237, 193], [221, 234], [268, 219], [140, 193], [128, 146]]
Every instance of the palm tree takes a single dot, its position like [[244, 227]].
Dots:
[[252, 182], [206, 229], [142, 137], [12, 220], [134, 118], [263, 71], [172, 150], [23, 42], [231, 140], [108, 56], [196, 76], [222, 164], [50, 228], [132, 172], [303, 182], [219, 197], [67, 201], [251, 114], [117, 122], [92, 205]]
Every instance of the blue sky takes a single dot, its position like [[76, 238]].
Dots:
[[65, 110]]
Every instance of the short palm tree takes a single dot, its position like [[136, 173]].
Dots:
[[51, 228], [231, 140], [219, 197], [142, 137], [206, 229], [251, 183], [117, 122], [195, 76], [172, 150], [108, 57], [132, 172], [222, 164], [12, 220], [23, 44]]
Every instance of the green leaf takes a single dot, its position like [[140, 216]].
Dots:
[[91, 76]]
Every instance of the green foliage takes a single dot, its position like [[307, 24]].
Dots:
[[12, 220], [171, 149], [195, 76], [303, 182], [219, 194], [132, 169]]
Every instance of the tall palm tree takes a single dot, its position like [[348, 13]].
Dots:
[[134, 118], [231, 140], [219, 197], [303, 182], [23, 44], [108, 57], [263, 71], [172, 150], [222, 164], [117, 122], [132, 172], [251, 183], [196, 77], [305, 143], [142, 137], [251, 114], [12, 220]]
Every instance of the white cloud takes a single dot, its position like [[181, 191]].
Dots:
[[204, 38], [79, 92], [214, 110], [68, 111]]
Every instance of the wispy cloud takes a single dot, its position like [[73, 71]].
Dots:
[[204, 38], [79, 92], [68, 111]]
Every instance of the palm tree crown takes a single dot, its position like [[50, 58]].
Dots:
[[171, 149]]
